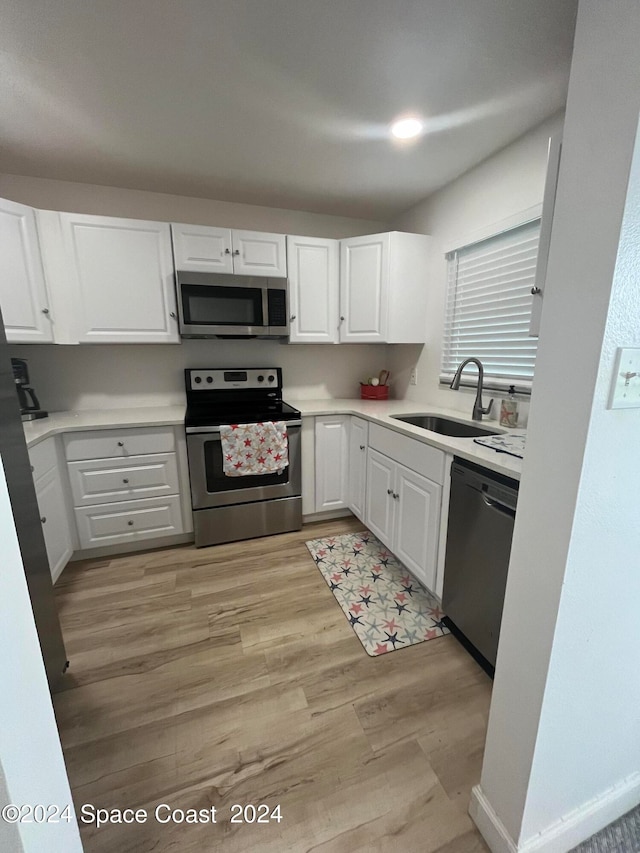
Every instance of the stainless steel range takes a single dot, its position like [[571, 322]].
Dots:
[[227, 508]]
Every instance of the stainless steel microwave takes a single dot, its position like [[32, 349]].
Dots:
[[219, 305]]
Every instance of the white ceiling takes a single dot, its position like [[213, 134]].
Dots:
[[283, 103]]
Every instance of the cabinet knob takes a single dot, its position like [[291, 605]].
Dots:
[[173, 315], [227, 251], [125, 481], [396, 496], [362, 447], [43, 520], [121, 444], [292, 318], [32, 469], [236, 252], [535, 291], [389, 491], [130, 523], [342, 319], [45, 310]]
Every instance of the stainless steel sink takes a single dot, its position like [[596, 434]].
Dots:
[[446, 426]]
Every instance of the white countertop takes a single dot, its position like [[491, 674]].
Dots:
[[376, 411], [58, 422], [380, 411]]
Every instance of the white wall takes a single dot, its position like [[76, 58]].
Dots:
[[88, 377], [562, 755], [30, 752], [504, 185], [140, 204], [111, 376]]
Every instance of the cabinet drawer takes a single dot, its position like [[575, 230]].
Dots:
[[128, 521], [43, 457], [426, 460], [97, 481], [106, 443]]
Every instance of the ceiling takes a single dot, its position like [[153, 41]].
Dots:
[[284, 103]]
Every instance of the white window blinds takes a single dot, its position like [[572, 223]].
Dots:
[[489, 307]]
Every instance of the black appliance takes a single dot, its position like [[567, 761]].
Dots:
[[482, 511], [29, 406], [222, 305], [17, 469], [225, 508]]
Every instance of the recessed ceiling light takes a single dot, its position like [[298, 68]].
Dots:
[[406, 128]]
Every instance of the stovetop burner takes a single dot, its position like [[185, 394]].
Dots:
[[227, 396]]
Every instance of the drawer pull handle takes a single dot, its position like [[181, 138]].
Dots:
[[43, 520], [130, 523], [121, 444], [125, 481]]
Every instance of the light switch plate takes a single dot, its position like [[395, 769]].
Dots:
[[413, 378], [625, 384]]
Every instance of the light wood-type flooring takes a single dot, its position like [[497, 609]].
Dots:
[[229, 675]]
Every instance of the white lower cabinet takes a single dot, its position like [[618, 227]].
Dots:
[[125, 485], [128, 521], [358, 443], [402, 505], [50, 494], [331, 467]]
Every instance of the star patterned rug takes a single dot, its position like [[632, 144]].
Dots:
[[386, 606]]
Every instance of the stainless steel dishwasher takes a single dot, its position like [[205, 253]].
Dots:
[[482, 509]]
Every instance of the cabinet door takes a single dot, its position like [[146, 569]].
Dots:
[[258, 253], [313, 265], [548, 205], [55, 524], [123, 276], [380, 503], [417, 524], [201, 248], [364, 279], [358, 435], [331, 463], [23, 295]]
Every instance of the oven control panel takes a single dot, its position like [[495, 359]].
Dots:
[[230, 379]]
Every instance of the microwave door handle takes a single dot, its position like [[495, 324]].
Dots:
[[265, 307]]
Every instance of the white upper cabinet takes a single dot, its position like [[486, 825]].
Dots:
[[383, 288], [255, 253], [121, 272], [548, 205], [313, 265], [23, 294], [202, 248]]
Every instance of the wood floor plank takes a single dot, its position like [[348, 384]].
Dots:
[[208, 677]]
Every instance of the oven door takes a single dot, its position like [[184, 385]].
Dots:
[[210, 487]]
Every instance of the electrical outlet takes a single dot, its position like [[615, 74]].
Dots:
[[413, 378], [625, 384]]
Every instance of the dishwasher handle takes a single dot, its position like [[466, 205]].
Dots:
[[499, 507]]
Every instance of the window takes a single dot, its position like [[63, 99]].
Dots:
[[489, 307]]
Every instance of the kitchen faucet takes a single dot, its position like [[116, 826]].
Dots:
[[478, 411]]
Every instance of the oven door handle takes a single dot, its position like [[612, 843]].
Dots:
[[216, 429]]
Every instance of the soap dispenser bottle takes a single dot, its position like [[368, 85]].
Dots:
[[509, 409]]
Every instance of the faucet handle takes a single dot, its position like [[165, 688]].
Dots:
[[489, 407]]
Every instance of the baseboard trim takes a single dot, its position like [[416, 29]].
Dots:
[[326, 516], [564, 834], [132, 547], [491, 827]]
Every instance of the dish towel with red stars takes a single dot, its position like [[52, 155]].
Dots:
[[261, 448]]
